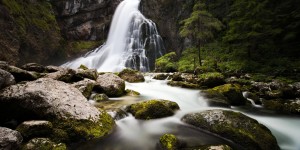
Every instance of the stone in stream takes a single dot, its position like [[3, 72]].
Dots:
[[234, 126], [131, 76], [9, 139], [6, 79], [58, 102], [110, 84], [85, 87], [153, 109]]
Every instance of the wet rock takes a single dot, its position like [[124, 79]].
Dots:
[[6, 79], [253, 97], [161, 76], [215, 99], [132, 93], [9, 139], [183, 84], [117, 113], [85, 87], [35, 128], [51, 69], [169, 142], [43, 144], [283, 106], [58, 102], [110, 84], [234, 126], [232, 92], [22, 75], [64, 74], [87, 73], [211, 79], [131, 76], [100, 97], [153, 109], [34, 67], [177, 76], [3, 65]]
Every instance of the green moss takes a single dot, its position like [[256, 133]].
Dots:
[[76, 130], [83, 46], [183, 84], [43, 144], [166, 63], [132, 92], [153, 109], [83, 67], [132, 76], [169, 142], [211, 79]]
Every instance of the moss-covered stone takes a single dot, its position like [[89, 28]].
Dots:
[[131, 76], [283, 106], [31, 129], [86, 73], [43, 144], [161, 76], [211, 79], [153, 109], [169, 142], [232, 92], [183, 84], [132, 92], [234, 126], [83, 67], [166, 63], [85, 87], [100, 97]]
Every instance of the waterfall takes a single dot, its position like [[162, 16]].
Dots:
[[133, 42]]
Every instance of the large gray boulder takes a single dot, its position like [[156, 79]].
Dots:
[[58, 102], [85, 87], [237, 127], [64, 74], [6, 79], [110, 84], [9, 139]]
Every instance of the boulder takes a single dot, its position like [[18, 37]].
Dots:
[[34, 67], [253, 97], [85, 87], [99, 97], [43, 144], [58, 102], [6, 79], [51, 69], [153, 109], [131, 76], [211, 79], [22, 75], [110, 84], [177, 76], [232, 92], [183, 84], [234, 126], [87, 73], [35, 128], [169, 142], [215, 99], [3, 65], [283, 106], [9, 139], [161, 76], [132, 93], [64, 74]]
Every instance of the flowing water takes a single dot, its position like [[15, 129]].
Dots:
[[132, 134], [133, 42]]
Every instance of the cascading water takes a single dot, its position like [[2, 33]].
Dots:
[[133, 42]]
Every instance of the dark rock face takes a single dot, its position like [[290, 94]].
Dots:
[[234, 126], [167, 14], [6, 79], [85, 20], [9, 139]]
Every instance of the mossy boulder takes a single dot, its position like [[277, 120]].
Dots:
[[22, 75], [132, 93], [34, 67], [85, 87], [99, 97], [86, 73], [153, 109], [161, 76], [35, 128], [110, 84], [43, 144], [234, 126], [6, 79], [169, 142], [232, 92], [131, 76], [64, 74], [83, 67], [215, 99], [166, 63], [283, 106], [183, 84], [211, 79]]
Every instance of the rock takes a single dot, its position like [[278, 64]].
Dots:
[[253, 97], [153, 109], [169, 142], [6, 79], [85, 87], [22, 75], [117, 113], [58, 102], [210, 147], [234, 126], [110, 84], [132, 93], [64, 74], [131, 76], [177, 76], [35, 128], [183, 84], [83, 67], [211, 79], [232, 92], [43, 144], [99, 97], [283, 106], [51, 69], [34, 67], [297, 89], [3, 65], [161, 76], [9, 139], [87, 73], [215, 99]]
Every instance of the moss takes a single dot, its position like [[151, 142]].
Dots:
[[166, 63], [83, 67], [132, 76], [153, 109], [43, 144], [83, 129], [100, 97], [169, 142], [30, 131], [83, 46], [211, 79], [183, 84], [132, 92]]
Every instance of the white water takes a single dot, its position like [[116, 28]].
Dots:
[[144, 135], [133, 42]]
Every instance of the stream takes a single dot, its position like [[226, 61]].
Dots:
[[133, 134]]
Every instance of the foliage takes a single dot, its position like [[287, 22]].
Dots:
[[166, 63]]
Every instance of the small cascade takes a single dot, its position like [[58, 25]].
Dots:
[[133, 42]]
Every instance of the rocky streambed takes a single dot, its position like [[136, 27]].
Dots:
[[49, 107]]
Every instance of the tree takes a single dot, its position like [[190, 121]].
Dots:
[[200, 26]]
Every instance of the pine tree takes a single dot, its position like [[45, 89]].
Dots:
[[200, 26]]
